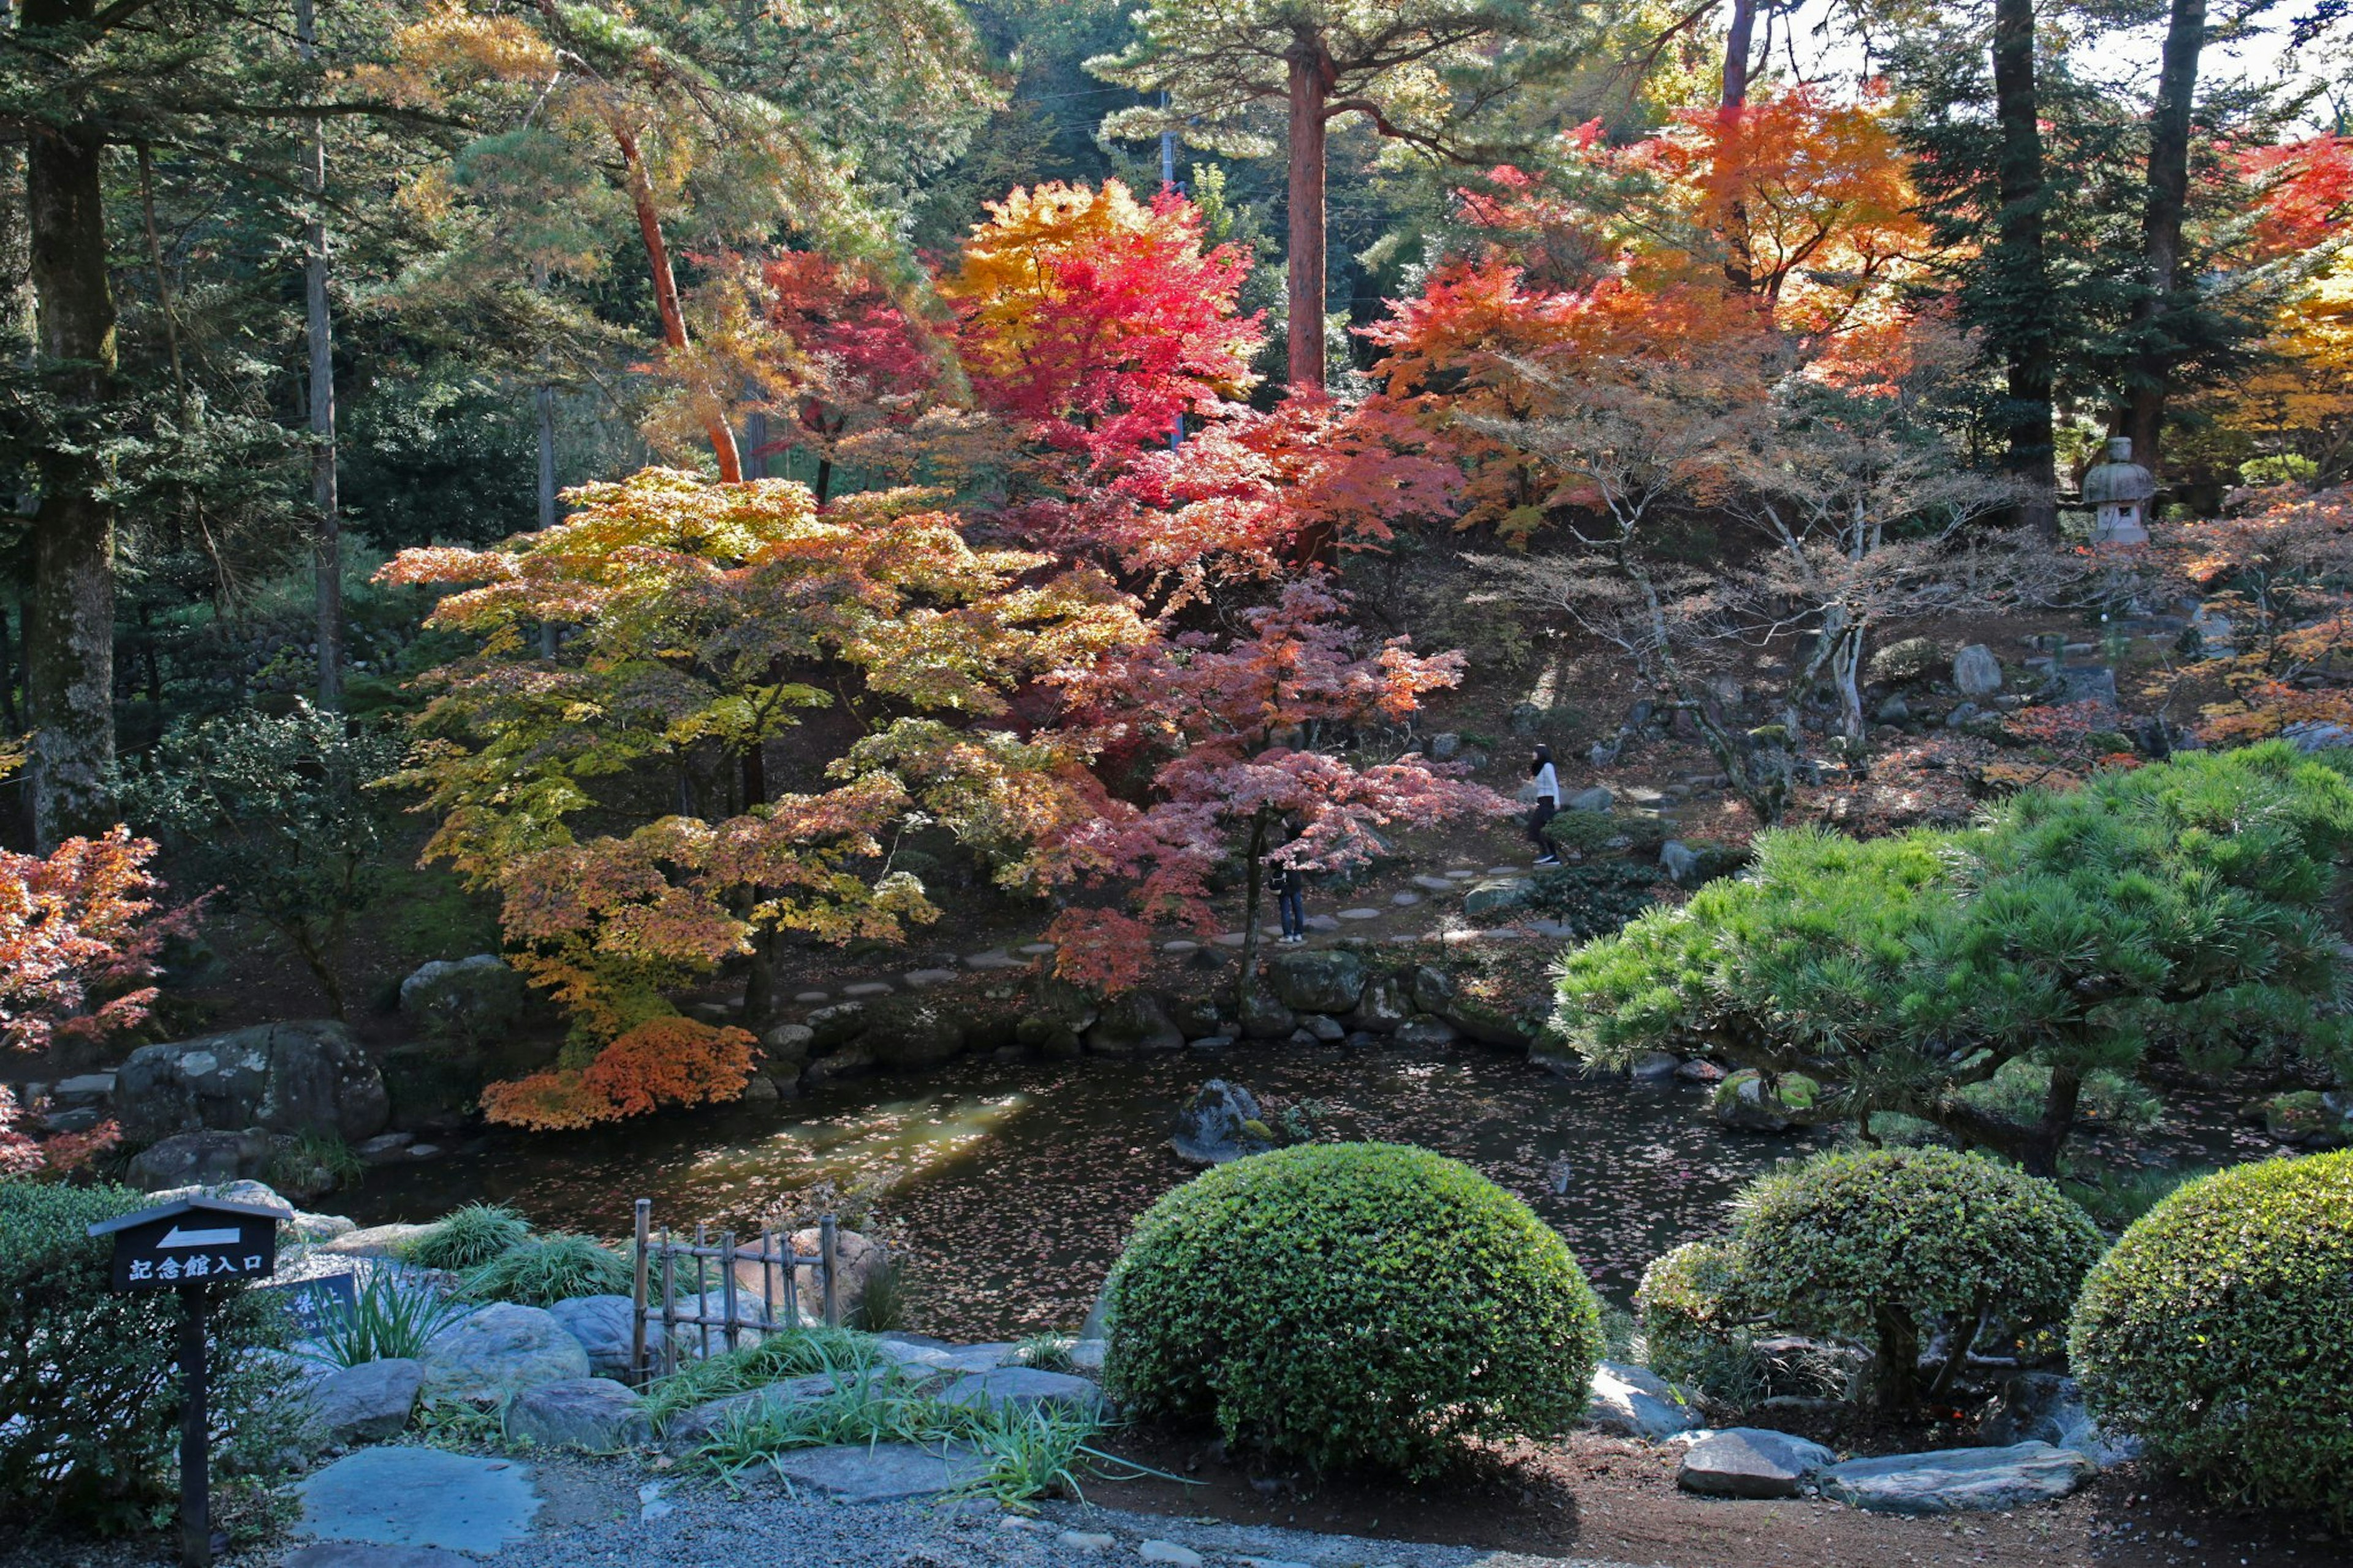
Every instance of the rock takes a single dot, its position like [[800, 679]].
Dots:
[[882, 1472], [1497, 895], [1444, 747], [830, 1028], [785, 1048], [84, 1088], [857, 1259], [1527, 720], [691, 1428], [1700, 1071], [1958, 1480], [1425, 1031], [848, 1062], [1089, 1356], [1976, 671], [187, 1159], [1215, 1126], [1059, 1016], [866, 990], [1680, 860], [924, 1354], [1089, 1541], [602, 1325], [2305, 1117], [470, 999], [1433, 989], [1383, 1007], [1430, 884], [1894, 710], [2318, 735], [1325, 981], [908, 1033], [594, 1414], [1635, 1402], [365, 1554], [925, 979], [1198, 1015], [1745, 1102], [1360, 914], [760, 1089], [2095, 683], [1265, 1019], [385, 1148], [1750, 1462], [1132, 1024], [2046, 1407], [1169, 1553], [1404, 900], [415, 1496], [995, 959], [281, 1078], [374, 1241], [1963, 716], [363, 1404], [1025, 1389], [1906, 662], [1322, 923], [1323, 1029], [1596, 798], [1652, 1067], [499, 1350]]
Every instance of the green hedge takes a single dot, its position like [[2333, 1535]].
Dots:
[[2220, 1331], [90, 1411], [1686, 1307], [1883, 1244], [1352, 1305]]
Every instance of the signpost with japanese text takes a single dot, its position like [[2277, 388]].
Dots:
[[185, 1246]]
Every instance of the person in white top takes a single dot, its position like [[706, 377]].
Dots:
[[1548, 803]]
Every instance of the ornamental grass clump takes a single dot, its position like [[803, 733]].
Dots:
[[469, 1238], [550, 1269], [1887, 1245], [2219, 1331], [1351, 1305]]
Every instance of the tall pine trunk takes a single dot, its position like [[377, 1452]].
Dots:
[[1304, 283], [2022, 274], [327, 563], [1739, 42], [69, 625], [2168, 195], [721, 435]]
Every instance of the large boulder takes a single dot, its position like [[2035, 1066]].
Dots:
[[908, 1033], [363, 1404], [1747, 1102], [1904, 662], [1494, 896], [785, 1050], [1976, 671], [2308, 1118], [691, 1428], [475, 998], [1327, 980], [281, 1078], [1635, 1402], [830, 1028], [201, 1159], [1219, 1123], [1264, 1017], [603, 1325], [1132, 1023], [1750, 1462], [1958, 1480], [490, 1355], [595, 1415], [1057, 1019], [1386, 1004], [857, 1260], [1024, 1389]]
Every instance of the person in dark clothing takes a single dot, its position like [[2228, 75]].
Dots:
[[1547, 792], [1290, 889]]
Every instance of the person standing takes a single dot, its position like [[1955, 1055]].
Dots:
[[1290, 890], [1546, 792]]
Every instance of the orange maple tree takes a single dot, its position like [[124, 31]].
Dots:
[[661, 1064]]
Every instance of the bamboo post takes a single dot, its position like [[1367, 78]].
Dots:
[[644, 1230], [768, 1278], [828, 1237], [670, 1307], [727, 1285], [702, 1290], [790, 1261]]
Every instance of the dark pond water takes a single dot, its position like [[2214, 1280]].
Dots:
[[1016, 1182]]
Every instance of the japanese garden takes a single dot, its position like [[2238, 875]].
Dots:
[[978, 784]]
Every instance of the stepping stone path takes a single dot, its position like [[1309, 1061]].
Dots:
[[1038, 949], [1360, 914], [1180, 947], [420, 1497], [1461, 874], [813, 998], [1505, 870], [1430, 884], [884, 1473], [919, 978], [995, 958], [1750, 1462], [1958, 1480], [1405, 900], [1231, 939], [1026, 1389], [354, 1555], [867, 988]]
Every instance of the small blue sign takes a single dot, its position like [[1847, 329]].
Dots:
[[315, 1304]]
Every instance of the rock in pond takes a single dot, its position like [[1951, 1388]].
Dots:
[[1023, 1388], [1635, 1402], [1750, 1462], [1325, 981], [1958, 1480], [1747, 1102], [1216, 1127], [363, 1404], [594, 1414], [603, 1325], [496, 1353], [1132, 1024], [281, 1078], [906, 1034]]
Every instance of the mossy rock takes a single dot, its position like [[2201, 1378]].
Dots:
[[2307, 1118]]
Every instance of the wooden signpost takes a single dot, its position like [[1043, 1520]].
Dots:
[[185, 1246]]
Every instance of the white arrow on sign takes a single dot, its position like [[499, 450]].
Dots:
[[176, 1237]]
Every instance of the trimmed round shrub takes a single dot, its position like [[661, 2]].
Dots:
[[2220, 1331], [469, 1238], [1352, 1305], [89, 1407], [550, 1268], [1881, 1245], [1685, 1305]]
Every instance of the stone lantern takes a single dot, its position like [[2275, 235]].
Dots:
[[2119, 491]]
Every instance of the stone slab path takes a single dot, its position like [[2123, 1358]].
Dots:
[[420, 1497]]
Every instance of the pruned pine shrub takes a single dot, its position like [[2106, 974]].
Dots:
[[89, 1405], [2220, 1331], [1884, 1246], [469, 1238], [1351, 1305]]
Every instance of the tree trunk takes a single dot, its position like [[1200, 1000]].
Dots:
[[1894, 1372], [1738, 44], [2168, 195], [69, 632], [673, 315], [327, 564], [2021, 276], [1310, 82]]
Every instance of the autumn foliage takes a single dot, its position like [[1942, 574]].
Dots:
[[661, 1064]]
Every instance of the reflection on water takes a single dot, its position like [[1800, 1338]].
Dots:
[[1017, 1182]]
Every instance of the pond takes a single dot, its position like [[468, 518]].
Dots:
[[1015, 1183]]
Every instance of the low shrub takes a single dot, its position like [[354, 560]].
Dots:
[[391, 1316], [1351, 1304], [2220, 1331], [1593, 898], [89, 1412], [1884, 1246], [469, 1238], [550, 1268], [1684, 1306]]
